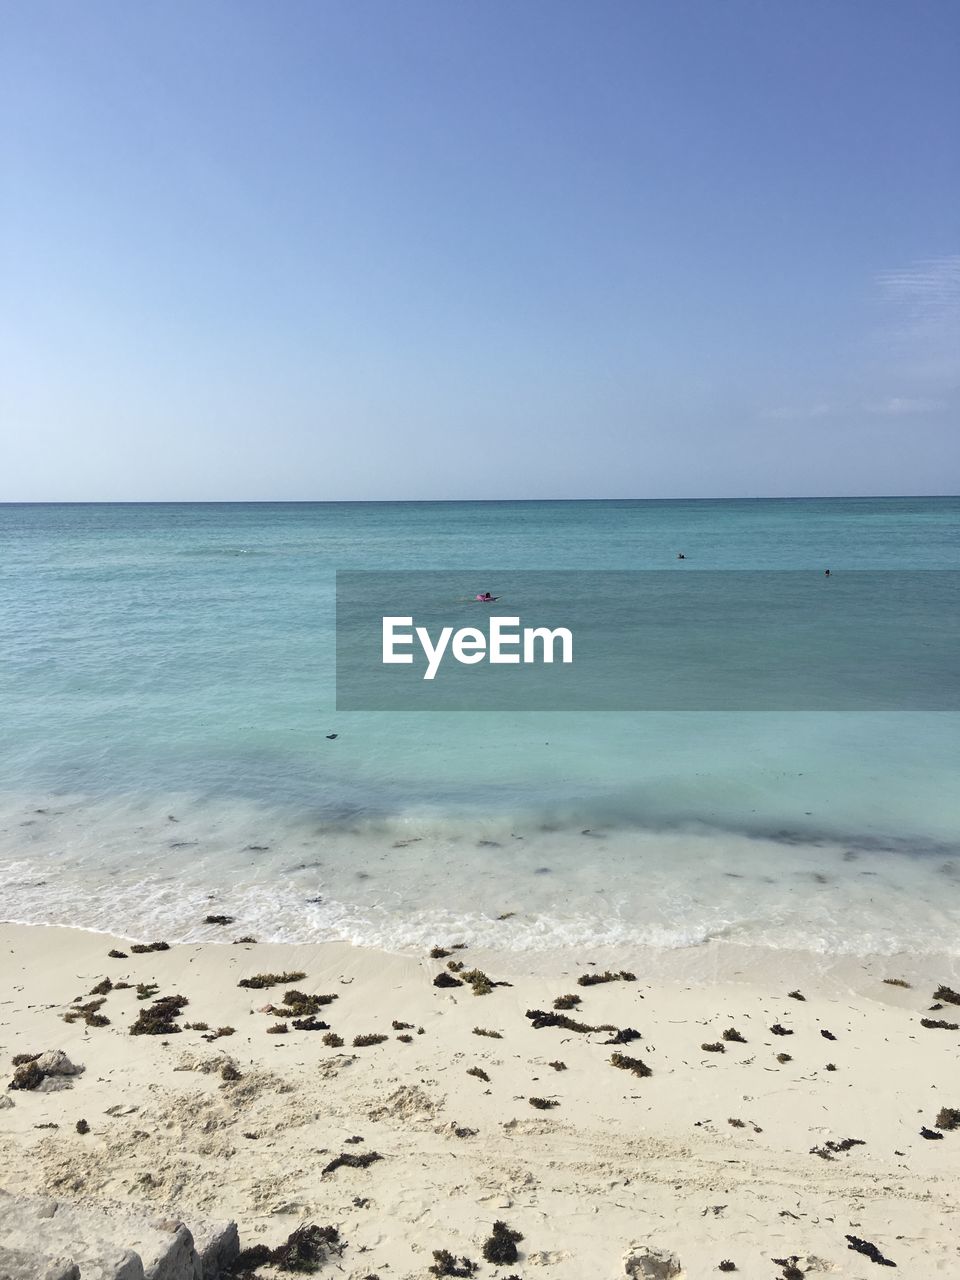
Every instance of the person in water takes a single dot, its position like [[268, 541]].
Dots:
[[484, 595], [681, 556], [826, 573]]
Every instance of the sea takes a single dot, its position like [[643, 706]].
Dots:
[[170, 744]]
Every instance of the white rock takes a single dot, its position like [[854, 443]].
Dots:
[[56, 1063], [643, 1262]]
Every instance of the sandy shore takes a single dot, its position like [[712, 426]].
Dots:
[[714, 1156]]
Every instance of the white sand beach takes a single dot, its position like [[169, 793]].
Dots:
[[768, 1152]]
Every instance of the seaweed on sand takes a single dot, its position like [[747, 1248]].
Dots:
[[594, 979], [501, 1247], [310, 1024], [479, 1073], [948, 1118], [333, 1040], [482, 1031], [21, 1059], [297, 1004], [567, 1002], [445, 1264], [897, 982], [439, 953], [733, 1036], [946, 994], [144, 948], [360, 1042], [868, 1250], [82, 1127], [347, 1160], [117, 955], [278, 1029], [830, 1149], [102, 988], [305, 1251], [446, 980], [778, 1030], [784, 1058], [158, 1018], [636, 1065], [146, 990], [558, 1066], [261, 980], [541, 1018], [27, 1076], [543, 1104], [401, 1026], [87, 1013], [938, 1024], [717, 1047]]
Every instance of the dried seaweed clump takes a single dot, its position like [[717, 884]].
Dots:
[[333, 1040], [482, 1031], [347, 1160], [144, 948], [733, 1036], [778, 1030], [830, 1149], [361, 1042], [82, 1127], [716, 1047], [796, 995], [558, 1066], [482, 985], [445, 1264], [304, 1250], [541, 1018], [237, 941], [948, 1118], [567, 1002], [938, 1024], [158, 1018], [501, 1248], [594, 979], [479, 1073], [27, 1076], [297, 1004], [784, 1058], [278, 1029], [543, 1104], [446, 980], [88, 1013], [636, 1065], [727, 1265], [401, 1026], [146, 990], [117, 955], [897, 982], [947, 995], [310, 1024], [261, 980], [439, 953], [869, 1250], [102, 988]]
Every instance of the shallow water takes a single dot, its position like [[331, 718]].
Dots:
[[167, 688]]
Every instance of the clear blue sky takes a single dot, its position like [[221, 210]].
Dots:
[[471, 248]]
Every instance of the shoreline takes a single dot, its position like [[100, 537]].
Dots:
[[717, 1155]]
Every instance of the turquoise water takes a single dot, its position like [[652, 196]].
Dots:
[[166, 693]]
